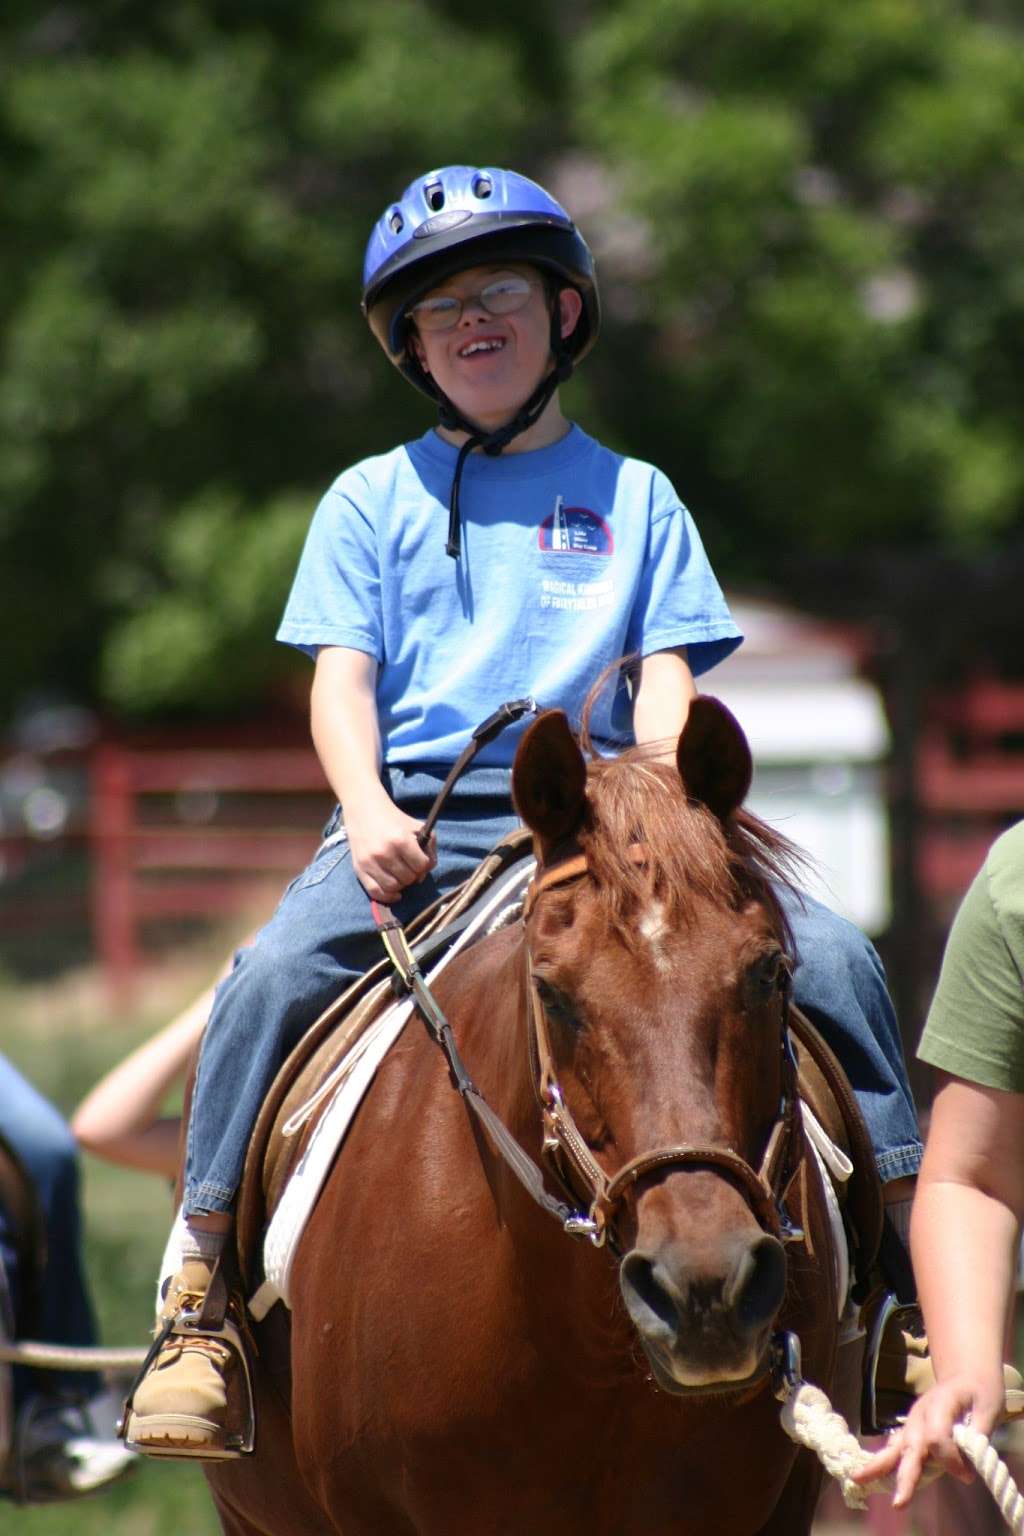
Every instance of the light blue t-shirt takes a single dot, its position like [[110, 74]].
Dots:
[[572, 557]]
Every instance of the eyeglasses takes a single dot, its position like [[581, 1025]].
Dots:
[[443, 311]]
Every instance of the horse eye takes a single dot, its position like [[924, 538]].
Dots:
[[557, 1004], [770, 972]]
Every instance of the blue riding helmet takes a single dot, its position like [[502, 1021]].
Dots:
[[464, 216], [461, 217]]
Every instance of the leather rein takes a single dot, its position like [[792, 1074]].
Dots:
[[594, 1194]]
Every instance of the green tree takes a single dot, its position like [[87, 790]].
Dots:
[[184, 366], [808, 223], [826, 202]]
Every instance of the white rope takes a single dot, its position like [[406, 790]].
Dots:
[[57, 1357], [809, 1418], [994, 1473]]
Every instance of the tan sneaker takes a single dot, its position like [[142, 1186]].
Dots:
[[193, 1398]]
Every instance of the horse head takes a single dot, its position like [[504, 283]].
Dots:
[[659, 980]]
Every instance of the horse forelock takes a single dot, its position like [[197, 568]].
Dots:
[[692, 856]]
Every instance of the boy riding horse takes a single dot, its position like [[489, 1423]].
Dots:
[[504, 553]]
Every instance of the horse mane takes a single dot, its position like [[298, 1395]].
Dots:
[[693, 856]]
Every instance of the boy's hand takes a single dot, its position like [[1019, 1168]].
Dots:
[[385, 854]]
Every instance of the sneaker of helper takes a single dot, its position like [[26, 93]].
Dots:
[[64, 1447], [560, 557]]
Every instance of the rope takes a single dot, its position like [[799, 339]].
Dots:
[[808, 1418], [58, 1357], [994, 1473]]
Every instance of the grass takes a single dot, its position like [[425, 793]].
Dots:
[[63, 1036]]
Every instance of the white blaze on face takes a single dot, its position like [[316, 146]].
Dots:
[[653, 926]]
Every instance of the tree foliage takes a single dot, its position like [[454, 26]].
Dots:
[[807, 219]]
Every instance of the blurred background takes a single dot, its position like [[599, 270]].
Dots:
[[808, 224]]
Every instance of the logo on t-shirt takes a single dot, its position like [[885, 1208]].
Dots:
[[575, 531]]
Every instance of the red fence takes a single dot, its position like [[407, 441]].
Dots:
[[199, 830], [970, 783], [193, 832]]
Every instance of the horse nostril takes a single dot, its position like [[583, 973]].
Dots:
[[647, 1299], [757, 1284]]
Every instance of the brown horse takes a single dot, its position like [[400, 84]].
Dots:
[[456, 1362]]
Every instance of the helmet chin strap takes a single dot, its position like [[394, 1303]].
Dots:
[[493, 442]]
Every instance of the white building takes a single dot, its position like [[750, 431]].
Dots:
[[820, 739]]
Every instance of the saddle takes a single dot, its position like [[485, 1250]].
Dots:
[[273, 1156], [825, 1089]]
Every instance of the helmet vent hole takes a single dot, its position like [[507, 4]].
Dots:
[[434, 194], [395, 222], [482, 185]]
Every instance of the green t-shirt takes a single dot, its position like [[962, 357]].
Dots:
[[975, 1026]]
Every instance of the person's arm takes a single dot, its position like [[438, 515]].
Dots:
[[964, 1238], [346, 733], [119, 1119], [661, 702]]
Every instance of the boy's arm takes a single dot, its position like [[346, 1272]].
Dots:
[[346, 733], [661, 702]]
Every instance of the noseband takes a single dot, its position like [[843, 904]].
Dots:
[[569, 1158]]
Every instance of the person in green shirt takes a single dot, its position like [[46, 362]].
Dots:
[[969, 1206]]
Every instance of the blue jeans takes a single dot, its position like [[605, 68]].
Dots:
[[321, 938], [840, 984], [43, 1141]]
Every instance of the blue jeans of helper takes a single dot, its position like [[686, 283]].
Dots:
[[42, 1139], [321, 937]]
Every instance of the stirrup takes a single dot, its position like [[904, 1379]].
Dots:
[[894, 1319], [907, 1316], [239, 1443]]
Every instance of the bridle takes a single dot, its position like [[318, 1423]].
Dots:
[[567, 1155], [564, 1150]]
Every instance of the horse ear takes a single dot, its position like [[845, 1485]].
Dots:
[[713, 757], [549, 779]]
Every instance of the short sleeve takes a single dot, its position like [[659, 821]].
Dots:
[[975, 1026], [336, 595], [679, 601]]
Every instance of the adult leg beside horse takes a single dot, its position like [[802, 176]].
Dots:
[[320, 939], [58, 1449], [42, 1141]]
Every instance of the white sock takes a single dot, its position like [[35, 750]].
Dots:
[[197, 1244]]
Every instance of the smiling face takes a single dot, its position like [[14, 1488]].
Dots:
[[489, 365]]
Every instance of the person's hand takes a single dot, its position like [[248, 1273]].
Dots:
[[928, 1434], [385, 854]]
